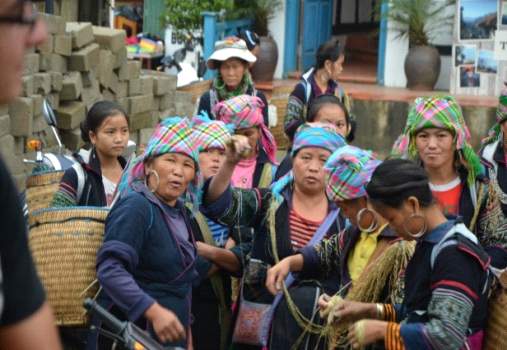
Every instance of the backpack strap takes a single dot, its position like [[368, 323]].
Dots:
[[449, 240], [81, 179]]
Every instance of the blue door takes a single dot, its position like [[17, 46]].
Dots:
[[317, 17]]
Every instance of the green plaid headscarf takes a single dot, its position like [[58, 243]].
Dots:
[[501, 116], [442, 112]]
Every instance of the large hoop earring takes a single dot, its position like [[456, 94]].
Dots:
[[152, 172], [421, 232], [374, 224]]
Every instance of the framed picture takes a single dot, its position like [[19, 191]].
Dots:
[[486, 62], [465, 55], [478, 19], [468, 77]]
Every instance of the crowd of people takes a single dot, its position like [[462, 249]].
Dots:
[[211, 243]]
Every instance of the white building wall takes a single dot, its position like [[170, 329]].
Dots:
[[277, 30], [397, 49]]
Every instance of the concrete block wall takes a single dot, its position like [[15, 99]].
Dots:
[[79, 65]]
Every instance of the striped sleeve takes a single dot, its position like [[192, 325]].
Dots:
[[66, 196], [393, 339]]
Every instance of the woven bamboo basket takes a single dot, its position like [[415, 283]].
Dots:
[[64, 244], [280, 101], [496, 330], [196, 89], [40, 189]]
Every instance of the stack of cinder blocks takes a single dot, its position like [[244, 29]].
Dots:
[[77, 66]]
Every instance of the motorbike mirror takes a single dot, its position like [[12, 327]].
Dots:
[[49, 114]]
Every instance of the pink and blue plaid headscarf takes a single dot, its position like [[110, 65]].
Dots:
[[172, 135], [348, 171], [245, 111], [209, 134], [323, 135]]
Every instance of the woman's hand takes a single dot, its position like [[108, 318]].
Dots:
[[166, 324], [366, 332], [349, 311], [238, 148], [276, 276]]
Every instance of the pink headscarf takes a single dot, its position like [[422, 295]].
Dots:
[[243, 112]]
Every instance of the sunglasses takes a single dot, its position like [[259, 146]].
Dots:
[[27, 17]]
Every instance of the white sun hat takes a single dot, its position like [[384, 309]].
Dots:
[[228, 48]]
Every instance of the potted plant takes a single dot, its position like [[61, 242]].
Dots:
[[262, 12], [420, 21]]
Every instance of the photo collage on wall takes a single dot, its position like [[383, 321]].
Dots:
[[476, 71]]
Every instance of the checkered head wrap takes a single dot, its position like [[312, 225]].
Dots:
[[441, 112], [172, 135], [323, 135], [348, 171], [210, 133], [501, 116], [245, 111]]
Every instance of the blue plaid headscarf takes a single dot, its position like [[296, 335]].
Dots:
[[323, 135]]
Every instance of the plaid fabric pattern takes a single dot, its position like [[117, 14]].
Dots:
[[323, 135], [438, 112], [245, 111], [209, 133], [172, 135], [348, 171], [501, 116]]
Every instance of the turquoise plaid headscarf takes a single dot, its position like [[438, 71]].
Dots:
[[348, 171]]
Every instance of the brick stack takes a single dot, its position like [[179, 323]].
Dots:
[[77, 66]]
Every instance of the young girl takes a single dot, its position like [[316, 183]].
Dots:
[[92, 182], [323, 109]]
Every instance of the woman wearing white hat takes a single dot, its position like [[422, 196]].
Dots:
[[231, 59]]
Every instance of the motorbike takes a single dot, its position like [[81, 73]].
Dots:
[[125, 333], [187, 62]]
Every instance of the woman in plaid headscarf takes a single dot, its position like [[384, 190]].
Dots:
[[147, 263], [437, 136], [244, 112], [290, 212], [494, 155], [368, 255]]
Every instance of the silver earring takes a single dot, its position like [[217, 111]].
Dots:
[[421, 232], [152, 172], [374, 224]]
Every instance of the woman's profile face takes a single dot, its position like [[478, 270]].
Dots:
[[402, 219]]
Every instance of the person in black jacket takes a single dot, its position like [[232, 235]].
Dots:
[[93, 181], [232, 60], [26, 320]]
